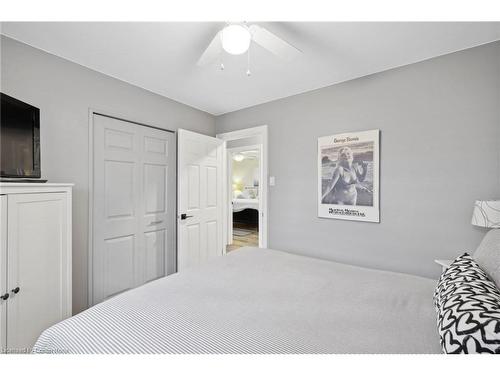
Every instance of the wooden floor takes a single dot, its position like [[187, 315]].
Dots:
[[251, 239]]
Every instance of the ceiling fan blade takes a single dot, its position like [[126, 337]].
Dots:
[[212, 52], [273, 43]]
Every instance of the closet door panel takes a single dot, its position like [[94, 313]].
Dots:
[[116, 212], [156, 212]]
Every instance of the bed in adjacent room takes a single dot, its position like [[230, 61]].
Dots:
[[240, 204], [277, 303]]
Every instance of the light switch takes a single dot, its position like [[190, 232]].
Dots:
[[272, 181]]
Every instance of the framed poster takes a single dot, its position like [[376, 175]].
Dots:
[[348, 176]]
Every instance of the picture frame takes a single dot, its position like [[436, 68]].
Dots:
[[349, 176]]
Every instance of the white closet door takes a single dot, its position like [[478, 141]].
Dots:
[[132, 217], [38, 237], [155, 217], [3, 271], [199, 198]]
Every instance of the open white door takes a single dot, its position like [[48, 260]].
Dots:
[[199, 198]]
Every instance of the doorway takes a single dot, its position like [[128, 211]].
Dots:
[[245, 176], [244, 180]]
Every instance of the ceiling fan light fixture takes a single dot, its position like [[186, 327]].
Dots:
[[238, 157], [236, 39]]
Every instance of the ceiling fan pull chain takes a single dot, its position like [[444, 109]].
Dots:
[[221, 53], [249, 73]]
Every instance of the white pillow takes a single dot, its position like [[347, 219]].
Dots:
[[245, 194], [487, 255]]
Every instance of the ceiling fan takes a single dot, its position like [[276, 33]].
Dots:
[[235, 39], [242, 155]]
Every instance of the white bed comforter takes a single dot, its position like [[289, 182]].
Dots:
[[241, 204], [259, 301]]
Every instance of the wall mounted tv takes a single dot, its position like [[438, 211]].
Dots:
[[19, 139]]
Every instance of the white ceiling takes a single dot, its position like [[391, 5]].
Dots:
[[161, 57]]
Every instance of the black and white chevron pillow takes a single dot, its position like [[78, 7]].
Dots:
[[468, 307]]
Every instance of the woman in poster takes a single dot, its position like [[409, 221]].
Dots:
[[345, 179]]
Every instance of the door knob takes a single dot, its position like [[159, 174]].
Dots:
[[184, 216], [156, 222], [5, 296], [15, 290]]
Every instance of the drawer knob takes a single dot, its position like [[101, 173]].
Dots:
[[15, 290], [5, 296]]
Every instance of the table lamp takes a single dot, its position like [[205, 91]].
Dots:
[[486, 214]]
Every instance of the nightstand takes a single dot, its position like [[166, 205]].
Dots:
[[444, 263]]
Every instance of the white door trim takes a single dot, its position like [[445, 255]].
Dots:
[[90, 205], [261, 131]]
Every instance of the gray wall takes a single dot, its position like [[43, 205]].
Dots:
[[440, 142], [64, 92]]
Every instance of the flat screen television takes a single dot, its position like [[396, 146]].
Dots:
[[19, 139]]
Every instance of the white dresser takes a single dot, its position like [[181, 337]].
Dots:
[[35, 261]]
